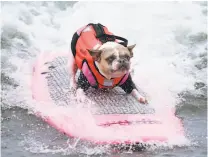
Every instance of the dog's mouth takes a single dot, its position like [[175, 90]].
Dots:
[[121, 68]]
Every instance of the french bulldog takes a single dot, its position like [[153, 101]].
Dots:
[[112, 60]]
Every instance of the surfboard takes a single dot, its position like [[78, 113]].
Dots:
[[105, 117]]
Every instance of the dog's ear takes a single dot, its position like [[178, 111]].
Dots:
[[130, 48], [95, 54]]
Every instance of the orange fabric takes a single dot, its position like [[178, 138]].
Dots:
[[88, 40]]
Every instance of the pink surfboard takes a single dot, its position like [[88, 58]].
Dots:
[[107, 117]]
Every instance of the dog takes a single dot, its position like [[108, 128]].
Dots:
[[102, 60]]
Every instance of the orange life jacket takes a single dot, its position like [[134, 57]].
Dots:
[[89, 37]]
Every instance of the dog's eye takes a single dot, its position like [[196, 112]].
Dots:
[[110, 59], [127, 57]]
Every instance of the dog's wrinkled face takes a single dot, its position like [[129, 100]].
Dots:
[[113, 58]]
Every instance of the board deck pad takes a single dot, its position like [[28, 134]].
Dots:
[[113, 101], [115, 112]]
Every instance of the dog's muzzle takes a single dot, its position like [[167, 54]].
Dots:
[[123, 65]]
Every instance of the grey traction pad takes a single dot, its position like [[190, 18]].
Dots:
[[113, 101]]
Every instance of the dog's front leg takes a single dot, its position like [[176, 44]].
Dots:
[[130, 88], [73, 75], [81, 96], [139, 97], [82, 86]]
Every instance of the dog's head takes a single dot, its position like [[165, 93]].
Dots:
[[113, 58]]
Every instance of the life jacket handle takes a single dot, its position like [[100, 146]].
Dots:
[[103, 37]]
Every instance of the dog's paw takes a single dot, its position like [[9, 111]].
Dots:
[[81, 97], [73, 83], [143, 100], [139, 97]]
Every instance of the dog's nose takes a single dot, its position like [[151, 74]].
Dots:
[[121, 61], [123, 64]]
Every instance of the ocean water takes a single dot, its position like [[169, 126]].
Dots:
[[169, 66]]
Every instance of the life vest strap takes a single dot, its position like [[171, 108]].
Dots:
[[124, 79], [103, 37], [88, 74]]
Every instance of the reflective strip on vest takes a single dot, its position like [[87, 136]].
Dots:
[[108, 83]]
